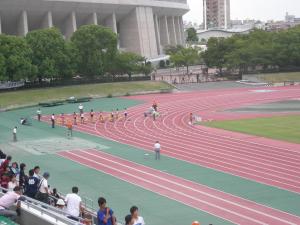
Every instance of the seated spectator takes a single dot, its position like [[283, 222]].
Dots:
[[22, 176], [60, 204], [5, 179], [31, 187], [7, 201], [54, 196], [14, 169], [74, 205], [12, 183], [43, 189], [5, 164], [105, 215], [129, 220], [2, 157], [138, 220]]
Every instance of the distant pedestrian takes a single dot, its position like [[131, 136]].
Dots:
[[125, 114], [39, 114], [92, 115], [80, 107], [69, 128], [157, 150], [52, 120], [15, 134], [82, 118]]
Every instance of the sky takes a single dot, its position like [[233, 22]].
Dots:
[[249, 9]]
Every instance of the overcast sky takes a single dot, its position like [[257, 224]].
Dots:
[[250, 9]]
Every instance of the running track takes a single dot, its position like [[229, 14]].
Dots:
[[262, 160], [220, 204]]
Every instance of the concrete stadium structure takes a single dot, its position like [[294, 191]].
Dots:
[[143, 26]]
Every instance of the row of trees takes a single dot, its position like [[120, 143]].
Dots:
[[257, 50], [44, 54]]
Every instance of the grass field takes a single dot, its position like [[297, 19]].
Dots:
[[280, 77], [32, 97], [286, 128]]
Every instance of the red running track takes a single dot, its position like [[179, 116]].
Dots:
[[220, 204], [261, 161]]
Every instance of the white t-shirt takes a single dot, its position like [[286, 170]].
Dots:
[[73, 204], [139, 221], [15, 130], [52, 117], [157, 146], [12, 185], [80, 107], [8, 199], [44, 186]]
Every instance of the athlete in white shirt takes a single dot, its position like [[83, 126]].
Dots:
[[157, 150]]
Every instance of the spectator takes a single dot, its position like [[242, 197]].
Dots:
[[5, 164], [60, 204], [74, 205], [138, 220], [2, 157], [105, 215], [7, 201], [129, 220], [12, 183], [43, 189], [32, 184], [15, 134], [22, 176], [36, 171], [5, 179], [54, 196], [14, 169]]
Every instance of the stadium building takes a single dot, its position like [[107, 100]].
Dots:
[[143, 26]]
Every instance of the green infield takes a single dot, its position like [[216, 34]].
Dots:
[[35, 96], [284, 128]]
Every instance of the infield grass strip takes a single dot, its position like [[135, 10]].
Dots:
[[285, 128]]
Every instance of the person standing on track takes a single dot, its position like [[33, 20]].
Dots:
[[157, 150], [75, 118], [69, 129], [191, 119], [125, 113], [82, 118], [15, 134], [80, 107], [92, 115], [39, 114], [53, 121]]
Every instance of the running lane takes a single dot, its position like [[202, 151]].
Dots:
[[217, 203]]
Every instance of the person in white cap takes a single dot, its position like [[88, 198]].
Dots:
[[60, 204]]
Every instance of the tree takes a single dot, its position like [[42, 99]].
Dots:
[[15, 59], [192, 36], [172, 49], [95, 48], [50, 54], [185, 57], [127, 63]]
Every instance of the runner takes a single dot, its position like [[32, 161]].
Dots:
[[191, 119], [111, 117], [39, 114], [53, 120], [82, 118], [69, 128], [92, 115], [62, 119], [75, 118], [101, 119], [117, 114], [125, 113], [157, 150], [154, 105]]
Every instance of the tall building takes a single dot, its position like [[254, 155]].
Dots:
[[216, 14], [142, 26]]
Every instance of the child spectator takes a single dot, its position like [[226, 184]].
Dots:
[[129, 220], [105, 215], [14, 169], [60, 204], [12, 183], [138, 220]]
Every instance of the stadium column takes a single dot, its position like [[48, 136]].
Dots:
[[157, 34], [47, 21], [70, 25], [92, 19], [137, 32], [182, 30], [164, 31], [0, 25], [23, 24], [178, 30], [111, 22], [171, 27]]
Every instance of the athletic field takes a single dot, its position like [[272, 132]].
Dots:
[[207, 174]]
